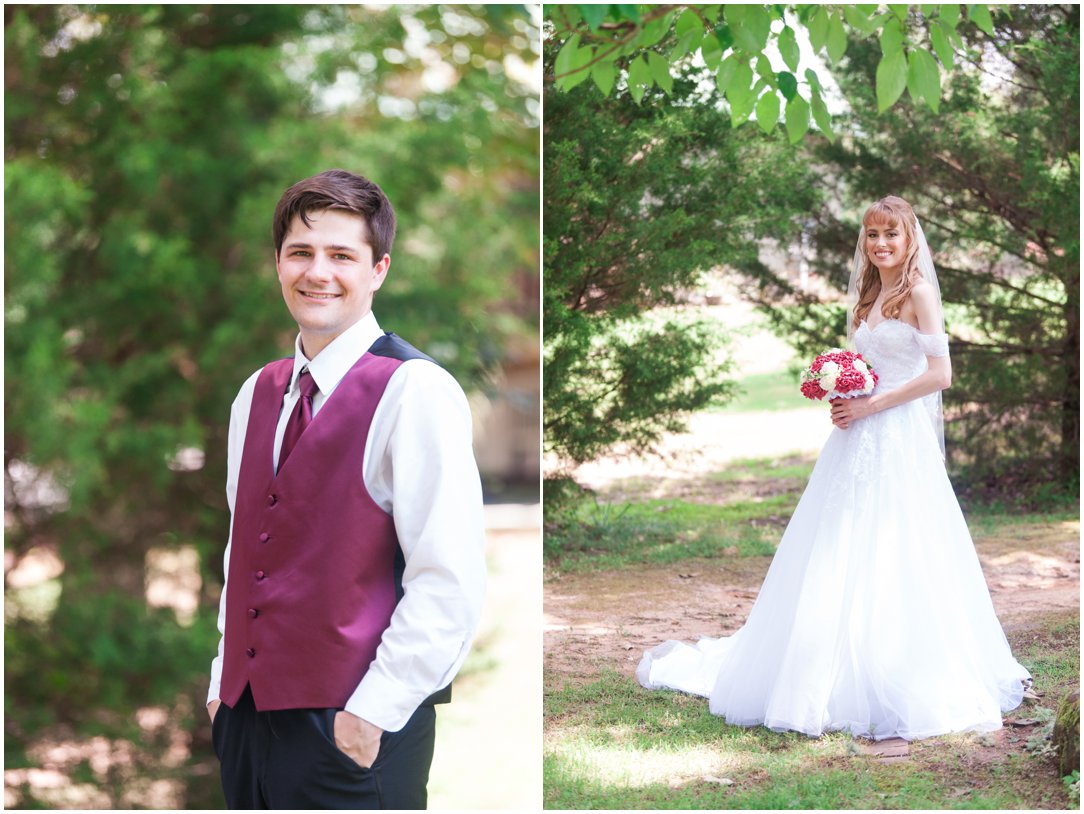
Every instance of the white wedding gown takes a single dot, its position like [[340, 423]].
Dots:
[[874, 617]]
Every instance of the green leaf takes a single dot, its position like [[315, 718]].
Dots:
[[685, 44], [577, 61], [711, 51], [768, 111], [980, 16], [604, 73], [594, 14], [788, 84], [751, 24], [891, 37], [924, 78], [857, 20], [764, 69], [725, 74], [955, 38], [740, 94], [949, 14], [891, 79], [688, 21], [818, 29], [724, 35], [637, 92], [788, 47], [941, 44], [928, 9], [837, 39], [711, 12], [628, 11], [653, 32], [639, 73], [900, 10], [566, 56], [813, 80], [797, 117], [866, 8], [660, 71], [581, 74], [821, 117]]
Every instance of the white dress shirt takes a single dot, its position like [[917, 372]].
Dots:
[[419, 467]]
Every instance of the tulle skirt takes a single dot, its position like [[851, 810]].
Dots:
[[874, 617]]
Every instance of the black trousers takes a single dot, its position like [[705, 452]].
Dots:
[[288, 759]]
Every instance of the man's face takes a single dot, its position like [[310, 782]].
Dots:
[[328, 275]]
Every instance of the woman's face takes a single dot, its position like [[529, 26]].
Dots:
[[886, 245]]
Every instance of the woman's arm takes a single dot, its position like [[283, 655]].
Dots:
[[937, 377]]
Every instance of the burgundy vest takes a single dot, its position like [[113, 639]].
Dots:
[[315, 566]]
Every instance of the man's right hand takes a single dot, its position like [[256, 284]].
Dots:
[[212, 708]]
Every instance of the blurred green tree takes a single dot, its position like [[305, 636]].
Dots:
[[145, 149], [995, 178], [639, 200]]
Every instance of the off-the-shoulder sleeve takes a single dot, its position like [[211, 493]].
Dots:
[[933, 344]]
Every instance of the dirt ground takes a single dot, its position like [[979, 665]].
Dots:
[[607, 619]]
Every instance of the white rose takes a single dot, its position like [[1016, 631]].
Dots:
[[860, 366], [869, 382], [828, 374]]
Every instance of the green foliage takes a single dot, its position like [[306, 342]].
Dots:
[[650, 42], [638, 200], [1072, 786], [994, 178], [146, 147]]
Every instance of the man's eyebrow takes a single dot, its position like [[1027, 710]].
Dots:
[[336, 247]]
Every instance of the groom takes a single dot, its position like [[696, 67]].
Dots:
[[355, 567]]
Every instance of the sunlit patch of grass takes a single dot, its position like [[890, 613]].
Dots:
[[767, 392], [1028, 528], [614, 535], [767, 469], [611, 744]]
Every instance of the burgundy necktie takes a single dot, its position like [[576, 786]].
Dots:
[[301, 417]]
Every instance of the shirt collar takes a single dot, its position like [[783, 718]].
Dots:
[[341, 354]]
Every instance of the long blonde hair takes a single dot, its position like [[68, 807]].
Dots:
[[895, 213]]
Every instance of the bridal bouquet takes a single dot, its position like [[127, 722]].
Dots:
[[838, 373]]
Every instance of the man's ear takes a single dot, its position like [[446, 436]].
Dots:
[[380, 272]]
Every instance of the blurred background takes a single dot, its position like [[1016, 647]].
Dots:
[[145, 149]]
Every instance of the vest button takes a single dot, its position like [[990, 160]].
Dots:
[[253, 612], [272, 500], [265, 537], [260, 575], [251, 652]]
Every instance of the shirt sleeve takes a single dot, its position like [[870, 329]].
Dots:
[[235, 445], [419, 466]]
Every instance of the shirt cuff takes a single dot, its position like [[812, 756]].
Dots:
[[383, 702]]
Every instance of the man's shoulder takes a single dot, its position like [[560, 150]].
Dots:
[[420, 378], [395, 347]]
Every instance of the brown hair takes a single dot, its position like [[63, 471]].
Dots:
[[893, 212], [344, 191]]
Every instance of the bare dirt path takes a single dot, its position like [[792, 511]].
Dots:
[[607, 619]]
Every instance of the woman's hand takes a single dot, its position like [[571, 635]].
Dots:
[[846, 411]]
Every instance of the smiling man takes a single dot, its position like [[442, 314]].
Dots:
[[355, 566]]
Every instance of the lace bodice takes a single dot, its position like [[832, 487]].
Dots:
[[897, 351]]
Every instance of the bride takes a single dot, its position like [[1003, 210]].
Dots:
[[874, 617]]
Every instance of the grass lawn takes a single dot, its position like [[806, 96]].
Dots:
[[762, 392], [611, 744]]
